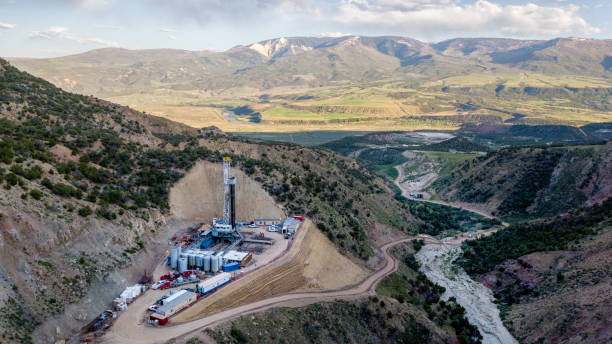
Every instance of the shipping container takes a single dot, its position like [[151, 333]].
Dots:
[[228, 267]]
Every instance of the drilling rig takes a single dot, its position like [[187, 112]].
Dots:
[[226, 228]]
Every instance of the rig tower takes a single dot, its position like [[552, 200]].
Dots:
[[229, 194]]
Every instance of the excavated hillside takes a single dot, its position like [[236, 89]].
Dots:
[[86, 200], [199, 195], [533, 182]]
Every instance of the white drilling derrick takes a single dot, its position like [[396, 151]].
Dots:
[[227, 197]]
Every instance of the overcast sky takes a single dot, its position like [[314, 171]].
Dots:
[[44, 28]]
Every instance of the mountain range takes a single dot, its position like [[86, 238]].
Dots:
[[316, 61]]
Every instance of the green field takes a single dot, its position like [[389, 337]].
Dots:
[[449, 161]]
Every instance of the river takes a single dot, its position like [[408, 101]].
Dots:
[[437, 264]]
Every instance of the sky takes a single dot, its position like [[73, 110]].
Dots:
[[49, 28]]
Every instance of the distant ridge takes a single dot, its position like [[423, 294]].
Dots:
[[316, 61]]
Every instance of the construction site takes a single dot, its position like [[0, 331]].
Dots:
[[237, 257], [203, 258]]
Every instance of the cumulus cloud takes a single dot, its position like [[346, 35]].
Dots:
[[333, 34], [163, 29], [430, 17], [205, 11], [62, 33], [107, 27], [7, 26], [88, 4]]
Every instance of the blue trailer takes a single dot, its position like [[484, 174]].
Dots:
[[228, 267]]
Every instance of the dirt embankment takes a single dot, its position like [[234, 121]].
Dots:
[[199, 195], [312, 263]]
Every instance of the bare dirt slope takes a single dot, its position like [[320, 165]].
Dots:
[[559, 296], [199, 195], [312, 263]]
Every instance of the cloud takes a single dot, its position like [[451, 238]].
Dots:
[[431, 17], [206, 11], [108, 27], [163, 29], [172, 37], [62, 33], [7, 26], [91, 5], [333, 34]]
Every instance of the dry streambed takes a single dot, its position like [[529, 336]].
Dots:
[[437, 263]]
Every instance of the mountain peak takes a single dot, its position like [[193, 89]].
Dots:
[[279, 47]]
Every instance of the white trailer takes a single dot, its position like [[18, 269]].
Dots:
[[213, 283]]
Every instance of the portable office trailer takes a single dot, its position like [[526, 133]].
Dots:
[[267, 222], [209, 285], [169, 308]]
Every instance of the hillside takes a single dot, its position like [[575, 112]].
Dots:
[[351, 83], [532, 182], [552, 277], [86, 198], [549, 269]]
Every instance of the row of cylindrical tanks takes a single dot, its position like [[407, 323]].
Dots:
[[182, 261]]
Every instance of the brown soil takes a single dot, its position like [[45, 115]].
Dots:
[[312, 263], [199, 195], [575, 309]]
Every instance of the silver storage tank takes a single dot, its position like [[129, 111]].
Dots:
[[214, 264], [182, 264], [198, 261], [174, 253], [202, 258], [192, 259], [207, 263]]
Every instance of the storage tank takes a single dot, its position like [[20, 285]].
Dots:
[[206, 263], [182, 264], [219, 261], [174, 255], [214, 264], [202, 257], [192, 259], [198, 261]]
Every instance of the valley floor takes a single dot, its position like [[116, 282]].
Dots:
[[437, 264]]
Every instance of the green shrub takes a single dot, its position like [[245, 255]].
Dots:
[[238, 335], [36, 194], [85, 211]]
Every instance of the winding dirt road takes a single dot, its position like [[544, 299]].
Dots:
[[462, 206], [132, 330]]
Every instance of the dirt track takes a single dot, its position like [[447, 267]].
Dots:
[[132, 330], [458, 205]]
